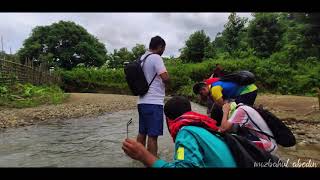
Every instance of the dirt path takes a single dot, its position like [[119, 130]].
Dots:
[[77, 105]]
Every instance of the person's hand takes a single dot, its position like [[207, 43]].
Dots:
[[137, 151], [134, 149], [226, 108], [221, 130]]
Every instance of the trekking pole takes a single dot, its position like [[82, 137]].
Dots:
[[128, 123]]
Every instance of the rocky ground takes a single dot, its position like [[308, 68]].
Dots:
[[301, 114], [77, 105]]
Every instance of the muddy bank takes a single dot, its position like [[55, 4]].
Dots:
[[306, 132], [77, 105], [293, 107]]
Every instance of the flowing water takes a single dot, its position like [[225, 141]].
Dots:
[[81, 142]]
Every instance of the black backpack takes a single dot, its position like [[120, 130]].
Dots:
[[242, 78], [245, 153], [135, 77], [281, 133]]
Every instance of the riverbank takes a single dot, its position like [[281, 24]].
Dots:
[[301, 114], [77, 105]]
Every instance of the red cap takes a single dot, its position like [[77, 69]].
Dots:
[[211, 80]]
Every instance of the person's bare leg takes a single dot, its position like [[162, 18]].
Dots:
[[142, 139], [153, 145]]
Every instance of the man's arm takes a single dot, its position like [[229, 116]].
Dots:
[[187, 153], [137, 151], [225, 124], [161, 70], [165, 78], [239, 117]]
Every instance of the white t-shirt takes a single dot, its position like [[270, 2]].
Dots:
[[153, 65], [240, 117]]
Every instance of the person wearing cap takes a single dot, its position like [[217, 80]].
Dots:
[[219, 91], [245, 116], [195, 145]]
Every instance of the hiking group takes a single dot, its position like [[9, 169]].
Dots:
[[233, 133]]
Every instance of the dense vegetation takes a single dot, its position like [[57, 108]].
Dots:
[[272, 76], [282, 49], [27, 95], [83, 79], [9, 57]]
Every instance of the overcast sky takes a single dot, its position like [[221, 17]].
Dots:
[[118, 30]]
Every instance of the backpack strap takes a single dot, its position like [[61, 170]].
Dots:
[[143, 61], [152, 79], [240, 148], [260, 131]]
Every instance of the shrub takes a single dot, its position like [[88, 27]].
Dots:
[[27, 95], [272, 74]]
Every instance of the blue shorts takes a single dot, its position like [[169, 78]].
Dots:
[[150, 119]]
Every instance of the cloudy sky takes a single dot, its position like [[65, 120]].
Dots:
[[118, 30]]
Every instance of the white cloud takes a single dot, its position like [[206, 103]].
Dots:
[[118, 30]]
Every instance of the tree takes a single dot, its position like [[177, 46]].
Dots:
[[138, 50], [313, 32], [293, 42], [194, 49], [119, 57], [125, 54], [298, 41], [209, 51], [232, 31], [63, 44], [218, 43], [264, 34]]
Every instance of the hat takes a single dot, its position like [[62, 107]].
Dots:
[[211, 80]]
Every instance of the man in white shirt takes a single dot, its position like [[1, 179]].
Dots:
[[248, 117], [150, 106]]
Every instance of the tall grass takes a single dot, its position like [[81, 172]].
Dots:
[[27, 95]]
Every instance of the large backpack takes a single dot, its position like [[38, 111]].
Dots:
[[241, 78], [135, 77], [281, 133], [245, 153]]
